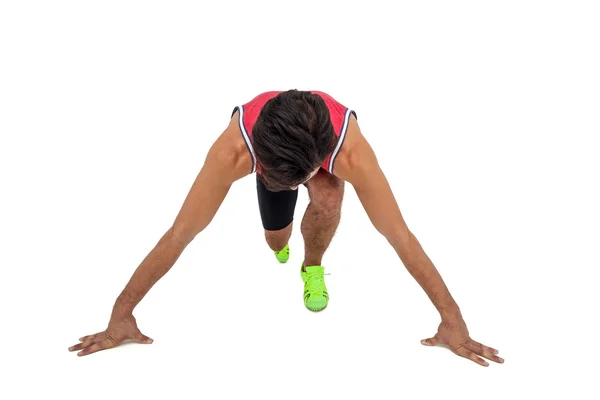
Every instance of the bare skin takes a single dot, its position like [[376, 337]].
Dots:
[[357, 164], [322, 215], [227, 161], [320, 221], [278, 239]]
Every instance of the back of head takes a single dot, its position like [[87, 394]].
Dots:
[[291, 137]]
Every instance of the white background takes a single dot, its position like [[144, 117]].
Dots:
[[482, 114]]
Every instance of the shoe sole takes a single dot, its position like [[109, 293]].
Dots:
[[315, 311]]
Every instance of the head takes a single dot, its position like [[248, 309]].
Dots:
[[291, 138]]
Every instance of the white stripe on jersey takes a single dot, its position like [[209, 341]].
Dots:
[[247, 138], [340, 139]]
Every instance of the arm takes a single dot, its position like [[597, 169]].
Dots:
[[199, 208], [212, 184], [359, 166], [224, 164]]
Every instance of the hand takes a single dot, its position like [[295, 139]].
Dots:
[[454, 335], [120, 329]]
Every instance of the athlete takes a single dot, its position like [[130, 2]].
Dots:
[[289, 139]]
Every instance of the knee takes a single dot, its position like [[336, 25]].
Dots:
[[328, 196], [280, 235]]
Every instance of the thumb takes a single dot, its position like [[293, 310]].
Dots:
[[430, 342], [141, 338]]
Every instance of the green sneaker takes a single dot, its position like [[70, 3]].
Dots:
[[284, 254], [315, 292]]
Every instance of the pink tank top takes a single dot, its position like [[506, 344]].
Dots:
[[339, 114]]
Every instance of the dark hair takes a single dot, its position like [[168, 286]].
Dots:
[[291, 137]]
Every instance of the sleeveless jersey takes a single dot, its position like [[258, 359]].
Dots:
[[339, 114]]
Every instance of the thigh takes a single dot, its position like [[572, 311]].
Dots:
[[276, 208]]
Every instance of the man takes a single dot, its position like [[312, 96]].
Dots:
[[290, 139]]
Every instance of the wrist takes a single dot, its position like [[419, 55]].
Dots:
[[451, 313], [123, 306]]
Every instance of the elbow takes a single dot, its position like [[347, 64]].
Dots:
[[400, 239], [180, 236]]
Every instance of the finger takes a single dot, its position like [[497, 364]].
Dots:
[[95, 336], [86, 343], [466, 353], [430, 342], [103, 345], [141, 338], [491, 350], [483, 351]]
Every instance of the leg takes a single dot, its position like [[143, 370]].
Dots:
[[320, 221], [277, 214], [322, 215], [278, 239]]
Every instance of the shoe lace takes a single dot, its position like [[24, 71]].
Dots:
[[315, 281]]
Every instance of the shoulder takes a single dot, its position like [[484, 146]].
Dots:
[[356, 157], [229, 151]]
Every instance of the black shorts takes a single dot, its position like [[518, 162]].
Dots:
[[276, 208]]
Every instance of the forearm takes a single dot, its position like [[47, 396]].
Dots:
[[422, 269], [156, 264]]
